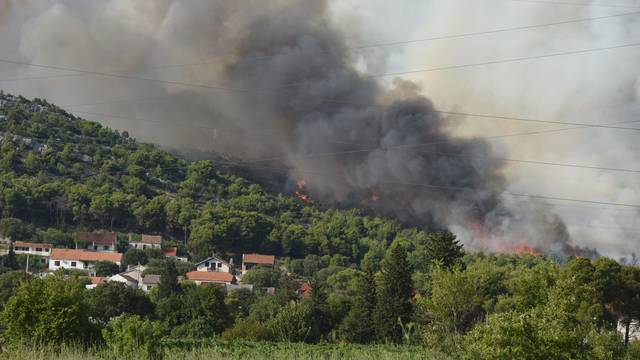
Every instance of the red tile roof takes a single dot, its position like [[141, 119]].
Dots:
[[210, 276], [258, 259], [84, 255], [170, 251], [98, 238], [30, 244], [152, 239], [98, 280]]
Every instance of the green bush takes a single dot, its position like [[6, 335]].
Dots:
[[293, 324], [130, 337], [248, 329]]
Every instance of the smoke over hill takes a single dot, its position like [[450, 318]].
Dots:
[[282, 89]]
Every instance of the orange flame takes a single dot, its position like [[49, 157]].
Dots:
[[301, 193]]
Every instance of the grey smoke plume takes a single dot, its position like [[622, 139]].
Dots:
[[294, 94]]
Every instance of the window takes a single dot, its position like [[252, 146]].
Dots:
[[38, 249], [57, 263], [95, 247], [206, 264], [106, 247], [219, 265], [73, 264]]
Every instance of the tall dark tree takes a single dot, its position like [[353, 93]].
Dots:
[[168, 284], [10, 260], [359, 325], [395, 292], [318, 309], [444, 248]]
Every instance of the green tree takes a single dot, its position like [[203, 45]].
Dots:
[[394, 295], [136, 256], [113, 299], [48, 311], [9, 281], [262, 277], [106, 268], [133, 337], [359, 326], [444, 248], [168, 284], [293, 324]]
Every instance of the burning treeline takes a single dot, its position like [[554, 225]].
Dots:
[[283, 86]]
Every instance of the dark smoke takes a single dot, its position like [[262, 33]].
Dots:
[[299, 101]]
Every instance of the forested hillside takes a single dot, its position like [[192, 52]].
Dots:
[[60, 173]]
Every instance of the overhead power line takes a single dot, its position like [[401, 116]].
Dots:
[[378, 148], [303, 83], [581, 4]]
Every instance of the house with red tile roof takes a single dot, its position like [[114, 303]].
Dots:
[[211, 277], [97, 241], [213, 263], [251, 260], [146, 242], [80, 259], [125, 279], [172, 252]]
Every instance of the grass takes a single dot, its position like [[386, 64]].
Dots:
[[238, 350]]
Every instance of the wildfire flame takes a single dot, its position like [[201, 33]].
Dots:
[[488, 242], [301, 193]]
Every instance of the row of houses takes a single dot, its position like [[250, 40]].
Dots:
[[94, 247]]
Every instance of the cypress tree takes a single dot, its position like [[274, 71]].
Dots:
[[395, 292], [359, 325], [443, 247], [168, 284]]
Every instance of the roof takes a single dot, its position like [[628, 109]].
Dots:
[[84, 255], [151, 279], [99, 238], [210, 276], [30, 244], [126, 277], [151, 239], [258, 259], [170, 251], [209, 259], [98, 280]]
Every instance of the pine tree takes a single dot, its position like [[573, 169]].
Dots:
[[168, 284], [359, 325], [318, 309], [395, 292], [444, 248]]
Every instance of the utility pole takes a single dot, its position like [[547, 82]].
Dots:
[[27, 269]]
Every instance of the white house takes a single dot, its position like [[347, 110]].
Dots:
[[97, 241], [125, 279], [211, 277], [80, 259], [146, 242], [251, 260], [213, 264], [21, 247], [149, 282]]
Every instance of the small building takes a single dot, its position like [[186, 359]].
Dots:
[[213, 263], [95, 281], [97, 241], [251, 260], [80, 259], [21, 247], [172, 252], [146, 242], [211, 277], [149, 282], [125, 279], [135, 272]]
